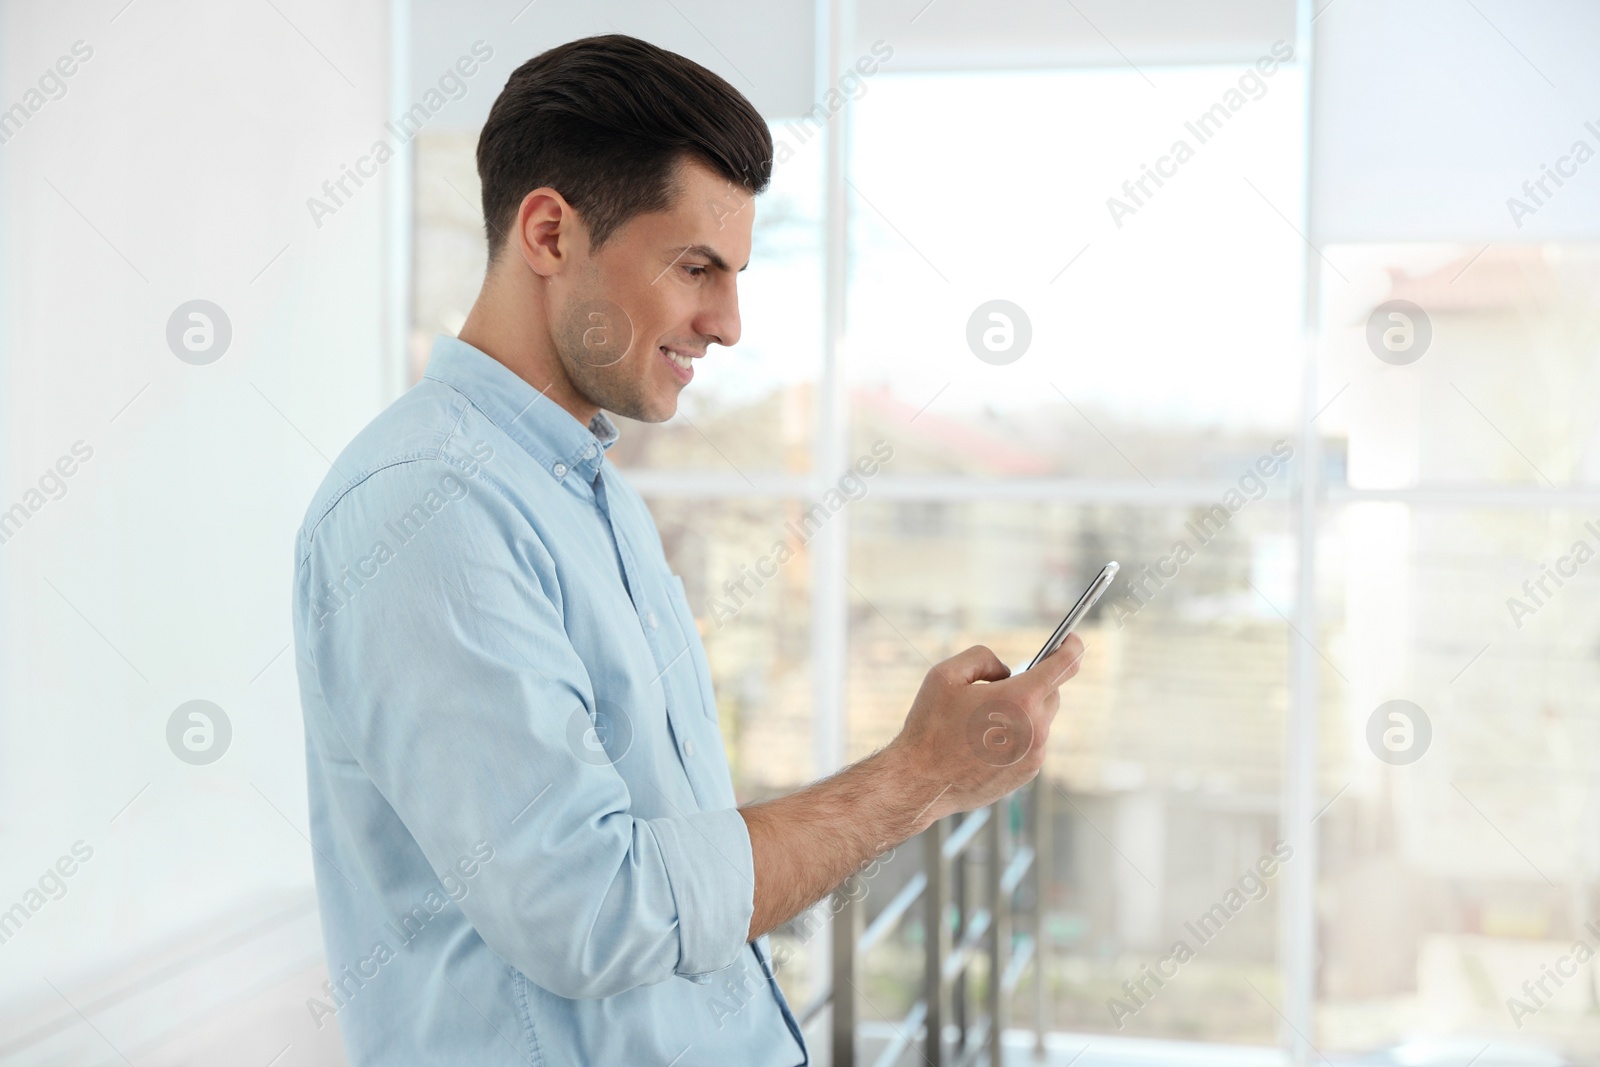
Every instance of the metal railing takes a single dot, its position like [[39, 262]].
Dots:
[[967, 892]]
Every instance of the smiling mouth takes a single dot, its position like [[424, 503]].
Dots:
[[682, 365]]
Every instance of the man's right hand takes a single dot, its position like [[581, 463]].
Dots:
[[975, 733]]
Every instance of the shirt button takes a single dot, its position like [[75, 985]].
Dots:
[[560, 470], [589, 452], [650, 619], [688, 748]]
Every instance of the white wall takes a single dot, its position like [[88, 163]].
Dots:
[[177, 165]]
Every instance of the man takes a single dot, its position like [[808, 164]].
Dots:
[[527, 844]]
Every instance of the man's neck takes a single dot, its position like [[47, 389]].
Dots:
[[521, 343]]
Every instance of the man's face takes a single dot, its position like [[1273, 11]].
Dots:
[[634, 317]]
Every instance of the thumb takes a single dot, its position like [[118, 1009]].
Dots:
[[1059, 665], [976, 664]]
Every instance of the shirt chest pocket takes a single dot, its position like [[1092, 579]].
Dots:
[[693, 665]]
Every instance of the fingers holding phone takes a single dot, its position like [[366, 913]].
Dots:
[[1042, 682], [978, 732], [1054, 670]]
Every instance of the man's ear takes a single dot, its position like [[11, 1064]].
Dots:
[[546, 230]]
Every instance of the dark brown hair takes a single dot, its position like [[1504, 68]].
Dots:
[[606, 121]]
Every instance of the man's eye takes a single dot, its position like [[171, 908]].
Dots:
[[693, 271]]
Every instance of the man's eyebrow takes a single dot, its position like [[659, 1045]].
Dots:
[[708, 253]]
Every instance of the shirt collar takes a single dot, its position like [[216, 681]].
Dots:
[[544, 428]]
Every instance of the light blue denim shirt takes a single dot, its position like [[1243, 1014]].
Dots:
[[526, 843]]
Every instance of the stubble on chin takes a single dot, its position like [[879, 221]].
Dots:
[[624, 388], [605, 387]]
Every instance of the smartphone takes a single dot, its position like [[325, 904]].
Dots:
[[1096, 590]]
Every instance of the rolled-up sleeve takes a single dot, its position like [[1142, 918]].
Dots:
[[440, 653], [691, 847]]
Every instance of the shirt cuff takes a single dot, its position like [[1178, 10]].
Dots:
[[709, 863]]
